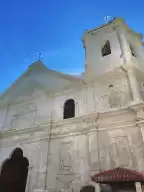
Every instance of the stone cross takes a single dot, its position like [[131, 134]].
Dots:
[[107, 19], [40, 57]]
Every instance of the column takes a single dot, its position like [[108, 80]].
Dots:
[[125, 48], [62, 112], [139, 156], [76, 108], [134, 86], [97, 187], [28, 179], [138, 187], [141, 126]]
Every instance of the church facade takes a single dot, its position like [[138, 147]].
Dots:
[[62, 129]]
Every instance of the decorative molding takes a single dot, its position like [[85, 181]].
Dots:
[[122, 149], [27, 111], [140, 115], [114, 99], [138, 110], [66, 175], [72, 126], [70, 134]]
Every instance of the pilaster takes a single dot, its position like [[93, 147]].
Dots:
[[140, 51], [134, 86], [125, 49], [97, 187], [138, 187], [28, 179]]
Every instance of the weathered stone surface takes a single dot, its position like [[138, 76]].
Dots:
[[107, 130]]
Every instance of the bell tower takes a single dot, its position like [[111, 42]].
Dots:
[[114, 46], [110, 46]]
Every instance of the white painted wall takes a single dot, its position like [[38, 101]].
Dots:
[[96, 63], [90, 98], [135, 42], [118, 139]]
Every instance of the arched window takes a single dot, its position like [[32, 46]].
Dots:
[[106, 49], [14, 172], [69, 109]]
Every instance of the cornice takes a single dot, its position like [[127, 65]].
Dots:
[[77, 125], [137, 106], [69, 134], [140, 123], [114, 111], [45, 126], [117, 125], [16, 131], [105, 77]]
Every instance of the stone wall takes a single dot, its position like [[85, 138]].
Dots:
[[64, 154], [93, 96]]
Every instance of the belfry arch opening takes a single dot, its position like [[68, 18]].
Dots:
[[106, 49], [14, 171], [69, 109]]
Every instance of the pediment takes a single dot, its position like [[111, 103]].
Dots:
[[37, 81]]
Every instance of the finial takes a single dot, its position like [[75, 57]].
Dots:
[[107, 19], [40, 57]]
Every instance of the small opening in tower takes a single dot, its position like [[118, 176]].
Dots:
[[132, 51], [106, 49], [110, 86]]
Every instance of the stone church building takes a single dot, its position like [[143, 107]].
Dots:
[[59, 133]]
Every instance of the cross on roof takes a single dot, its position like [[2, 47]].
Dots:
[[107, 19], [40, 57]]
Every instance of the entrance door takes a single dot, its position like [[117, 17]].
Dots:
[[14, 172]]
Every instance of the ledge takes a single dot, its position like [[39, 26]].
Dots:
[[77, 125]]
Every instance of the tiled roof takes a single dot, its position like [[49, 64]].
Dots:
[[118, 175]]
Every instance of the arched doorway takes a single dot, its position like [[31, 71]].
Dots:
[[14, 172]]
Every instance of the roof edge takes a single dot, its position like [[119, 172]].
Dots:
[[115, 20]]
